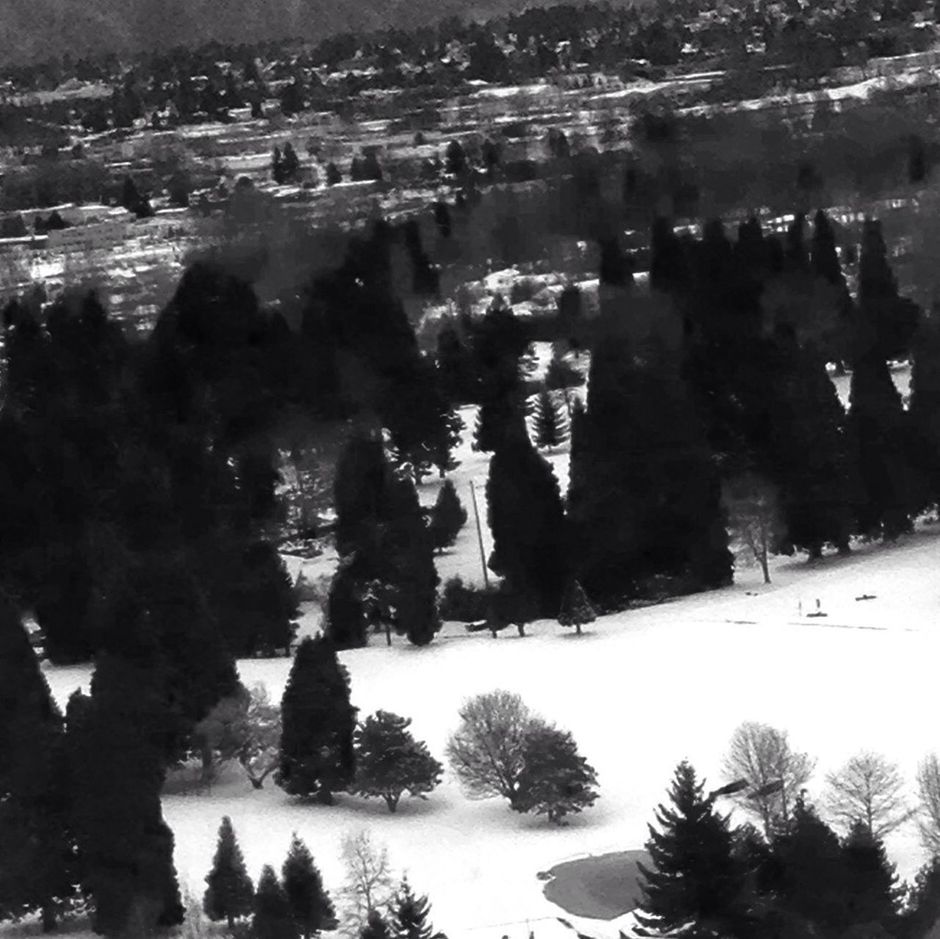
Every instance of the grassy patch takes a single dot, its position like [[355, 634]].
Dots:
[[604, 886]]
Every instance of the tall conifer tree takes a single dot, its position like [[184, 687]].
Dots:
[[318, 721], [229, 893], [118, 770], [310, 904], [693, 883], [527, 522], [40, 867]]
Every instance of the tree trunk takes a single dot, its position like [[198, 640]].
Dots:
[[324, 796], [231, 922], [521, 628], [577, 629], [388, 633], [48, 918], [763, 565], [392, 802], [208, 765]]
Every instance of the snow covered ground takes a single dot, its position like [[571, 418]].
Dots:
[[640, 690]]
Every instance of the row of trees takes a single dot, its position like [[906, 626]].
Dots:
[[795, 876], [711, 392], [296, 905], [500, 747]]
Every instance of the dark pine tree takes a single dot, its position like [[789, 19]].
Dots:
[[346, 619], [924, 415], [410, 915], [576, 609], [491, 423], [922, 910], [310, 904], [272, 914], [316, 754], [806, 872], [333, 175], [807, 448], [447, 517], [376, 927], [872, 892], [527, 521], [879, 433], [693, 884], [362, 480], [644, 495], [40, 867], [229, 892], [457, 374], [886, 322], [551, 423], [408, 547], [126, 847]]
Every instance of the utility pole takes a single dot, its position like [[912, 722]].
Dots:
[[476, 513]]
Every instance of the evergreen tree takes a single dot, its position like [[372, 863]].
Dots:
[[807, 871], [808, 449], [272, 917], [310, 905], [924, 415], [576, 609], [555, 780], [551, 425], [922, 910], [456, 369], [346, 620], [879, 431], [447, 517], [886, 322], [318, 721], [410, 915], [360, 491], [333, 175], [412, 575], [694, 884], [254, 599], [527, 522], [492, 420], [230, 892], [126, 846], [376, 927], [644, 494], [40, 867], [389, 761], [872, 895]]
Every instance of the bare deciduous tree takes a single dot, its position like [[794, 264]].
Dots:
[[245, 727], [754, 518], [762, 755], [369, 881], [867, 789], [486, 751], [928, 788]]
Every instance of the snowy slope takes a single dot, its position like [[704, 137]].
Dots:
[[640, 690]]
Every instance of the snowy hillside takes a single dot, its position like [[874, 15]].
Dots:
[[641, 690]]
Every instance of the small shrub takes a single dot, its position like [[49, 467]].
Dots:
[[464, 603]]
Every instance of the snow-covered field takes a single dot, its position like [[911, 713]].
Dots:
[[640, 690]]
